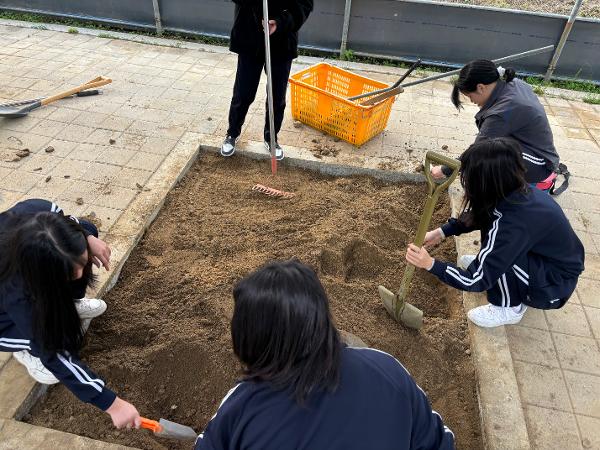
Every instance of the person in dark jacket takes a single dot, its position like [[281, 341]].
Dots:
[[529, 253], [508, 108], [303, 388], [247, 40], [45, 268]]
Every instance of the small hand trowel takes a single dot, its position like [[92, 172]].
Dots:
[[167, 429]]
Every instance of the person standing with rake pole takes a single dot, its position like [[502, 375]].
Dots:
[[286, 17]]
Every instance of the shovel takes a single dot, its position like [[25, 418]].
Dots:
[[21, 109], [167, 429], [396, 304]]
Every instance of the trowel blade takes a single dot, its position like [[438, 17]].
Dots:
[[176, 430]]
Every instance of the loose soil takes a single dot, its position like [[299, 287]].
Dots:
[[164, 343]]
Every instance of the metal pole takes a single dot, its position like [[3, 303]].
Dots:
[[269, 85], [563, 39], [157, 19], [345, 27], [514, 57]]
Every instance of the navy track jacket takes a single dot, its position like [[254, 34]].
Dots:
[[529, 236], [377, 405], [16, 332]]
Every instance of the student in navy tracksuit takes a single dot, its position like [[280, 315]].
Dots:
[[302, 388], [508, 108], [529, 254], [45, 268]]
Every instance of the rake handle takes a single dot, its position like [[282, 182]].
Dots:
[[96, 82]]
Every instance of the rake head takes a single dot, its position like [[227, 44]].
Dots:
[[272, 192]]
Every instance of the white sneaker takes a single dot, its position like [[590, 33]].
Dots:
[[465, 261], [88, 308], [489, 315], [278, 150], [34, 366]]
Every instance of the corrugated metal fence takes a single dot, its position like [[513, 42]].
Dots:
[[441, 33]]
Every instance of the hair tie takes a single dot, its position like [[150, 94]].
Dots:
[[501, 71]]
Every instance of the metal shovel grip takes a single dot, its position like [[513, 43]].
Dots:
[[434, 192]]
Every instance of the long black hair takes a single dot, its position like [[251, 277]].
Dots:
[[491, 169], [42, 250], [282, 329], [480, 71]]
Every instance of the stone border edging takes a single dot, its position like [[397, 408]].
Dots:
[[502, 419]]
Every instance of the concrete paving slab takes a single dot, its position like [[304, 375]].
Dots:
[[17, 436]]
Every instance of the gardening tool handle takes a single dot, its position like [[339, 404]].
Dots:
[[434, 192], [514, 57], [385, 95], [436, 158], [149, 424], [96, 82], [393, 86], [272, 143]]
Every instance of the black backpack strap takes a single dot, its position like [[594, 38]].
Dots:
[[564, 171]]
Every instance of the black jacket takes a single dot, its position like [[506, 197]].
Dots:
[[247, 35]]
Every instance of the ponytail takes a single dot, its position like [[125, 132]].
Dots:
[[480, 71]]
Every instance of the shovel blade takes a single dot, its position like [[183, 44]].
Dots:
[[409, 315], [18, 111], [176, 430]]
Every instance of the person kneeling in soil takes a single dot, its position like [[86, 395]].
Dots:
[[529, 253], [303, 388], [45, 269], [509, 108]]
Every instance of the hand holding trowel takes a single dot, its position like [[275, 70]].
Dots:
[[167, 429]]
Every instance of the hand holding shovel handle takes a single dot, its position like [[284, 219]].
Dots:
[[396, 304]]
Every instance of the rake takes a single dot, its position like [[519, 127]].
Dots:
[[271, 192]]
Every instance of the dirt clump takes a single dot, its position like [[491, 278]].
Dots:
[[165, 338]]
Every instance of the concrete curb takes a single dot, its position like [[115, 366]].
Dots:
[[502, 419]]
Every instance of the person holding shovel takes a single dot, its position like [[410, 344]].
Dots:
[[45, 268], [509, 108], [530, 255], [302, 388], [248, 41]]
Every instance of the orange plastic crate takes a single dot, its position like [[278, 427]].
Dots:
[[319, 99]]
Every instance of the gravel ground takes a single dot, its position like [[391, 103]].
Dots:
[[589, 8]]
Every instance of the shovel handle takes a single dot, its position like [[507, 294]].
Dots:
[[436, 158], [96, 82], [149, 424]]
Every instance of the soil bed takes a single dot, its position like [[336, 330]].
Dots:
[[164, 343]]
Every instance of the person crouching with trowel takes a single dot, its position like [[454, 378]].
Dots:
[[45, 268], [530, 255]]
